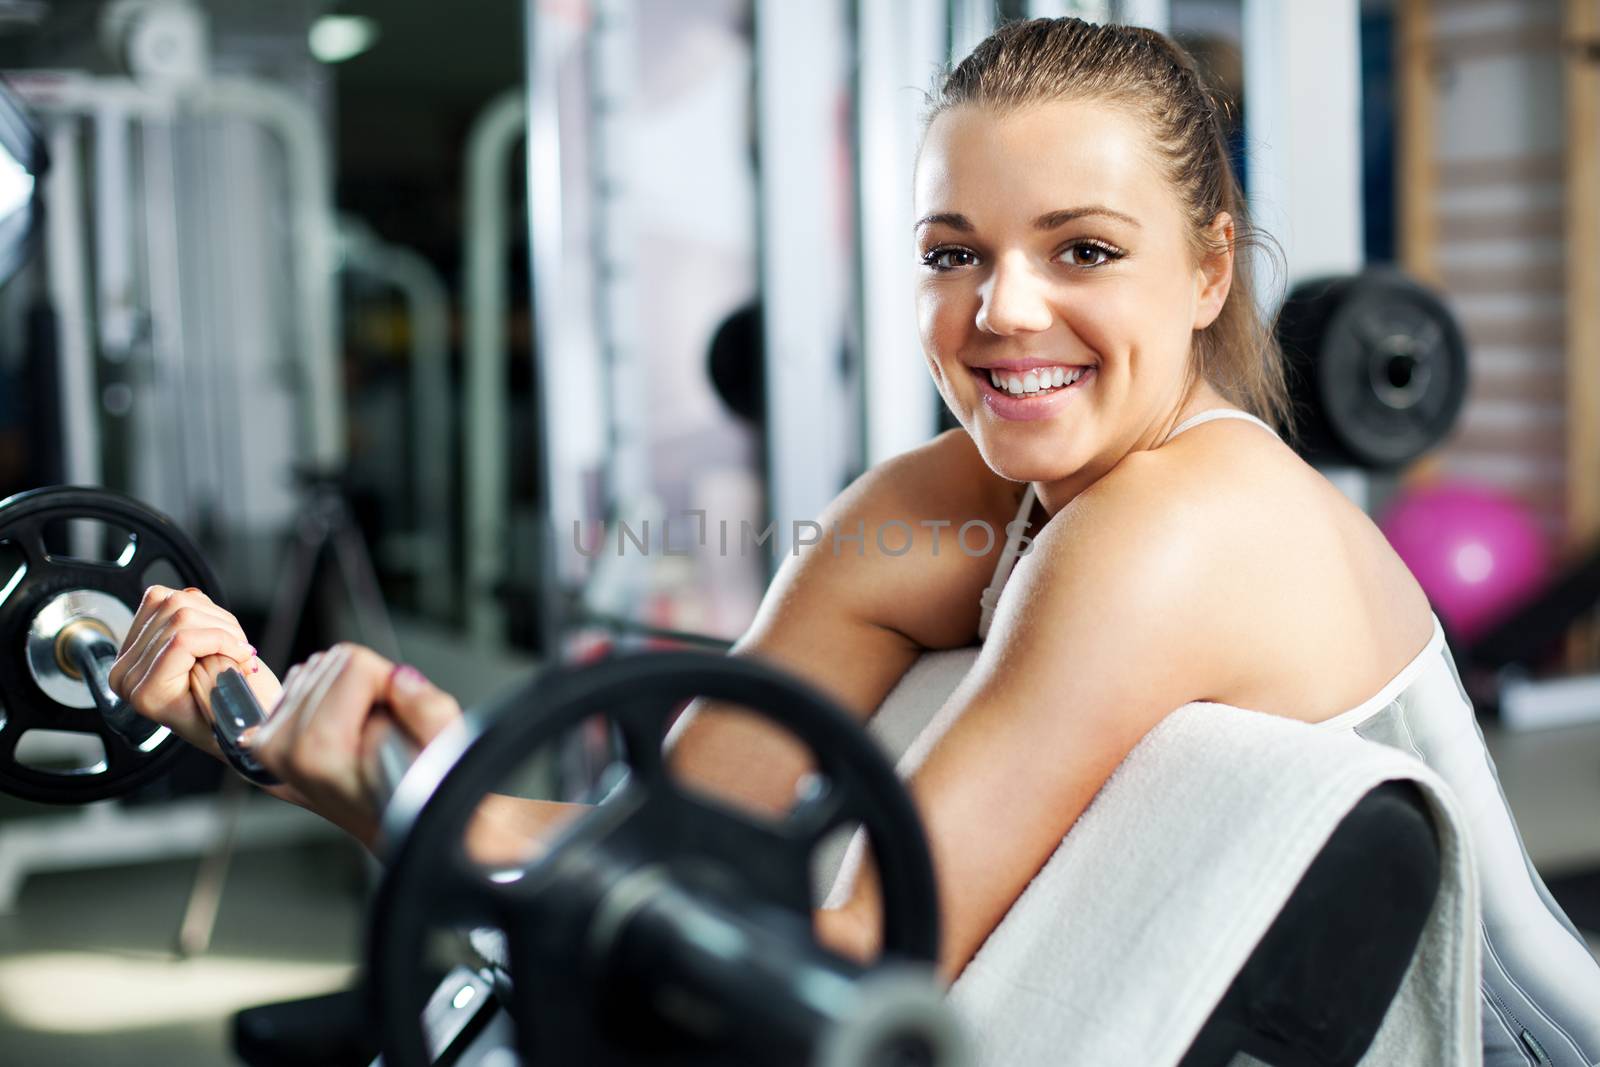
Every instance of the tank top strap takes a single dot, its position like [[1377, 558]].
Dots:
[[1217, 413], [1008, 559]]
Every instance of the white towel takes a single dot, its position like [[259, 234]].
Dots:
[[1122, 945]]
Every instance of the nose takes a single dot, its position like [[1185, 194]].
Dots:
[[1013, 301]]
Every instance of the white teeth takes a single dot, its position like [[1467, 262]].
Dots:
[[1035, 381]]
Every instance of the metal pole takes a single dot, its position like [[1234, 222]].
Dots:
[[567, 425], [428, 307], [901, 43], [69, 295], [117, 316], [494, 135], [613, 58], [1305, 182], [812, 410]]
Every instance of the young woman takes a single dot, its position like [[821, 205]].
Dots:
[[1087, 317]]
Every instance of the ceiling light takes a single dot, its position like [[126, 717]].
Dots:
[[336, 38]]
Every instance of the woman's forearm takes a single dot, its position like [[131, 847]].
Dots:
[[849, 931], [508, 830], [743, 759]]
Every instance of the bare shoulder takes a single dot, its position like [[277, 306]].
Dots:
[[1109, 608], [1139, 550], [1164, 509], [1249, 560]]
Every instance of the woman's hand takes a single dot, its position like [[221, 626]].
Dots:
[[325, 726], [173, 630]]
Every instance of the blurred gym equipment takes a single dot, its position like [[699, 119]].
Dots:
[[140, 248], [1476, 552], [1377, 368], [735, 363]]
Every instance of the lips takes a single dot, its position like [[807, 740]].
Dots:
[[1028, 406]]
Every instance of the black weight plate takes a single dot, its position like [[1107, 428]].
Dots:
[[45, 575], [1377, 368], [1393, 371], [653, 824]]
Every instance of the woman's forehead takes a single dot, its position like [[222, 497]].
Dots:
[[1043, 157]]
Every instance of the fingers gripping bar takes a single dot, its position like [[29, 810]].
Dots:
[[234, 709]]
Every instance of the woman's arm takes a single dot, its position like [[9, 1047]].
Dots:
[[1109, 624], [853, 624], [1101, 634], [850, 621], [508, 831]]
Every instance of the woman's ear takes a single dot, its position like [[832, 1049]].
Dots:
[[1214, 276]]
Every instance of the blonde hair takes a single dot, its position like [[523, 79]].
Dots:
[[1155, 79]]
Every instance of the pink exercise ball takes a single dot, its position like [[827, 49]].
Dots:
[[1476, 552]]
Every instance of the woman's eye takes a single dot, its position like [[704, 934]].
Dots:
[[939, 258], [1091, 254]]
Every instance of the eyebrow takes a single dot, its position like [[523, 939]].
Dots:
[[1048, 221]]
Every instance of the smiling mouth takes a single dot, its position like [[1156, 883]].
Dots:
[[1033, 384]]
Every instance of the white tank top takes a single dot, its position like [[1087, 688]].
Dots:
[[1540, 987]]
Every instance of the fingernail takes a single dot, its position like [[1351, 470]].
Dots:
[[252, 649], [249, 735], [408, 679], [255, 668]]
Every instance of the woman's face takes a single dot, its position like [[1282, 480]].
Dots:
[[1053, 252]]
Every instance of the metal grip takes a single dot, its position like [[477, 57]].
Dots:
[[389, 758], [234, 710]]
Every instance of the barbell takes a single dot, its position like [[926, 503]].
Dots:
[[662, 927]]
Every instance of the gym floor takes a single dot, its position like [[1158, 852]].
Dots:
[[87, 975], [87, 970]]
